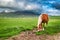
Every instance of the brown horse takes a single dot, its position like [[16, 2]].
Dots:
[[43, 19]]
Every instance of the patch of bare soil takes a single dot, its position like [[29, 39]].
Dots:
[[30, 35]]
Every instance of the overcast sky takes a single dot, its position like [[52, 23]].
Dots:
[[52, 7]]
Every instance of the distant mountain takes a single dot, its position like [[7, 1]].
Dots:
[[19, 13], [26, 12]]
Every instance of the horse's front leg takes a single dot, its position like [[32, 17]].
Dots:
[[40, 28]]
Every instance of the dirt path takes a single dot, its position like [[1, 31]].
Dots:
[[30, 35]]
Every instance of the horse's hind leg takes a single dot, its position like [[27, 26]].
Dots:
[[43, 24]]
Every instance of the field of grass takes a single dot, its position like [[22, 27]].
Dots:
[[10, 26]]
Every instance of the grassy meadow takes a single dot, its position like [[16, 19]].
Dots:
[[10, 26]]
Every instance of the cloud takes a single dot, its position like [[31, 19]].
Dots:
[[51, 2], [6, 2], [32, 7], [18, 5], [8, 10], [50, 6], [11, 4], [56, 5], [51, 11]]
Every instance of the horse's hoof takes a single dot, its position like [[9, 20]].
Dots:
[[41, 29]]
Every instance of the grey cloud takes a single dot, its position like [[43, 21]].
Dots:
[[18, 5], [56, 5]]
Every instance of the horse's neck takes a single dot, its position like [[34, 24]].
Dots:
[[40, 19]]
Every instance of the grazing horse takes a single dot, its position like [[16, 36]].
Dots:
[[43, 19]]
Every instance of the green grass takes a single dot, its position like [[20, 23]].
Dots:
[[12, 26]]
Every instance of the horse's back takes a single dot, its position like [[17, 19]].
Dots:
[[45, 17]]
